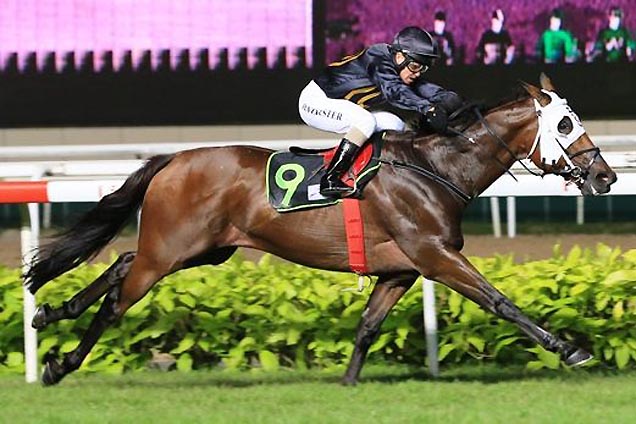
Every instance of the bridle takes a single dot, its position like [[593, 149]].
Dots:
[[575, 173], [571, 172]]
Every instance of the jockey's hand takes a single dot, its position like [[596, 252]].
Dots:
[[437, 118]]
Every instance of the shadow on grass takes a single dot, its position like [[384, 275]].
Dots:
[[485, 374]]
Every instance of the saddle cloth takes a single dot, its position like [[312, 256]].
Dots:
[[293, 177]]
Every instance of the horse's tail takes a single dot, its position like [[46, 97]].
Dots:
[[95, 229]]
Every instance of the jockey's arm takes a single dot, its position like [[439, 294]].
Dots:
[[395, 91], [449, 100]]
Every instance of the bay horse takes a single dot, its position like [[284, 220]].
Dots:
[[199, 206]]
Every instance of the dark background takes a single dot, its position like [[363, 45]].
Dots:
[[80, 97], [595, 91]]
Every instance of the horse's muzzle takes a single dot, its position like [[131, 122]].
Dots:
[[598, 182]]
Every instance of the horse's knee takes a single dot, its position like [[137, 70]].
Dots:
[[369, 327], [122, 266]]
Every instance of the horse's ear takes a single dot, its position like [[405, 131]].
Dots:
[[546, 83], [536, 93]]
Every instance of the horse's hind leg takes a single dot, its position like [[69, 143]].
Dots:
[[45, 315], [144, 273], [386, 293], [54, 370], [456, 272], [72, 309]]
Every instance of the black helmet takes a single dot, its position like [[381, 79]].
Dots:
[[416, 44]]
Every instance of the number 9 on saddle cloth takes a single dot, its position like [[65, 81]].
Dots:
[[293, 177]]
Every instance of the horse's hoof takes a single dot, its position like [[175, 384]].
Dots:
[[578, 357], [39, 318], [53, 373]]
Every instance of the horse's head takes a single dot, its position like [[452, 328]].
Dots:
[[562, 146]]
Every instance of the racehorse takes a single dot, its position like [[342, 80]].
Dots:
[[199, 206]]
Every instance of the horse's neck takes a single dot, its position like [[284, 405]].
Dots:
[[516, 126], [474, 167]]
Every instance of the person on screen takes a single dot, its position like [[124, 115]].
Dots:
[[556, 45], [444, 39], [495, 45], [365, 92], [614, 43]]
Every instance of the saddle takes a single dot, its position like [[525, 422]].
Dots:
[[293, 177]]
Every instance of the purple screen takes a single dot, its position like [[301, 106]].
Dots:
[[239, 30], [353, 24]]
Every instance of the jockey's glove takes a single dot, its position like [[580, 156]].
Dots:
[[437, 118]]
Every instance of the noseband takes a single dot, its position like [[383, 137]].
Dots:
[[575, 173]]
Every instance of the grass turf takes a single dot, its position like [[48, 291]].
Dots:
[[387, 394]]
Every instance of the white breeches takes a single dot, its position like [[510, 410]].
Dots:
[[340, 116]]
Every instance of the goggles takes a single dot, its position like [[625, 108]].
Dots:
[[416, 67]]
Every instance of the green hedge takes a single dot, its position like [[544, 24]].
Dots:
[[272, 314]]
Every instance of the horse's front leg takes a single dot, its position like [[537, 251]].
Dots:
[[453, 269], [387, 291]]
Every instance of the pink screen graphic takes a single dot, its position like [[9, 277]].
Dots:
[[242, 30]]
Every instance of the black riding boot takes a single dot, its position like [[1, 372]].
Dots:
[[330, 184]]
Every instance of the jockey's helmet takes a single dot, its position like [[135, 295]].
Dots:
[[417, 45]]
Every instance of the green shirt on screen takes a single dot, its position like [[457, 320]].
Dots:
[[556, 46], [614, 43]]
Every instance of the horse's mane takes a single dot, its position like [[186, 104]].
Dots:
[[468, 117]]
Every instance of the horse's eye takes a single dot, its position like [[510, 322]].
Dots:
[[565, 125]]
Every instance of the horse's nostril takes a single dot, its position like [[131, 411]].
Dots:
[[606, 179], [602, 177]]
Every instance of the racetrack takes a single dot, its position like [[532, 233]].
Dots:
[[388, 394], [524, 247]]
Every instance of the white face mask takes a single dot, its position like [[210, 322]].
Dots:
[[551, 142], [555, 24], [438, 27], [496, 25], [614, 22]]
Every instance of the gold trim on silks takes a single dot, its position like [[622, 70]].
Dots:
[[368, 97], [347, 59], [361, 96], [360, 90]]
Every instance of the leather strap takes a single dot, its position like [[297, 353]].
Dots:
[[354, 229]]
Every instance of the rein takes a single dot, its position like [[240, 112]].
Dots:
[[433, 176], [442, 181], [482, 120]]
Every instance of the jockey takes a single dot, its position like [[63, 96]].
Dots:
[[353, 97]]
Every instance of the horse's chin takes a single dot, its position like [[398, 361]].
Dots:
[[588, 188]]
